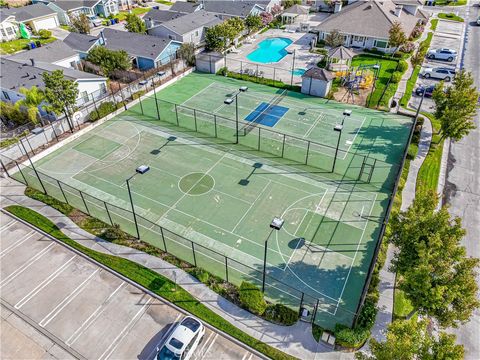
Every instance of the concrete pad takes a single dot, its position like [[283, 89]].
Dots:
[[222, 348], [11, 233]]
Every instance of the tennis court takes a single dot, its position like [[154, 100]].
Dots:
[[222, 197]]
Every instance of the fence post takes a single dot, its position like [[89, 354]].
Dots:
[[176, 114], [123, 99], [156, 102], [301, 304], [215, 124], [283, 145], [226, 268], [163, 238], [30, 145], [84, 202], [33, 167], [108, 213], [308, 150], [194, 257], [95, 105], [21, 173], [54, 132], [314, 315], [61, 189], [195, 119], [259, 139], [4, 168]]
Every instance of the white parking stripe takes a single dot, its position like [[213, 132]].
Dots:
[[26, 265], [114, 344], [17, 243], [51, 315], [6, 226], [44, 283], [162, 339], [210, 346], [98, 311]]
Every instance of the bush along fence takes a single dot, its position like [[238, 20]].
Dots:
[[217, 264]]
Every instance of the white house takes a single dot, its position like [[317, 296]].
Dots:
[[317, 82], [8, 27]]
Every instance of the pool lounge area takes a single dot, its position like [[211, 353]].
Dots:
[[270, 50]]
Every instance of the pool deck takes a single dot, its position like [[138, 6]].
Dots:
[[301, 44]]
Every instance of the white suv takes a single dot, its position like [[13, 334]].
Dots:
[[438, 73], [183, 341], [442, 54]]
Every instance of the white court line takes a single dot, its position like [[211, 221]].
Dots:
[[44, 283], [51, 315], [355, 256], [196, 94], [17, 243], [164, 336], [26, 265], [317, 120], [93, 316], [251, 206], [114, 344]]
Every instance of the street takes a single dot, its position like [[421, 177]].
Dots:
[[462, 190]]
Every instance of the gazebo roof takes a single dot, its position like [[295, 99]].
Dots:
[[319, 74], [297, 9], [341, 53]]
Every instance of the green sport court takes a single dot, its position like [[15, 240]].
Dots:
[[222, 195]]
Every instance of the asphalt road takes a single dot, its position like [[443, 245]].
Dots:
[[56, 303], [462, 191]]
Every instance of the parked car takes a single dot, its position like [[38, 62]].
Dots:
[[94, 21], [442, 54], [183, 341], [478, 21], [438, 73], [427, 89]]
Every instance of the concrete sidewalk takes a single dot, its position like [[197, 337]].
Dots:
[[296, 340]]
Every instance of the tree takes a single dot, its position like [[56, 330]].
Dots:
[[61, 94], [456, 107], [417, 58], [34, 97], [334, 39], [436, 275], [109, 60], [410, 340], [10, 113], [80, 23], [135, 24], [267, 18], [187, 53], [233, 27], [253, 22], [220, 36], [276, 9], [214, 39], [397, 36], [288, 3]]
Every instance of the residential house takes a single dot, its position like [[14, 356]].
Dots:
[[366, 24], [67, 8], [57, 53], [17, 74], [81, 43], [8, 27], [188, 28], [239, 8], [156, 17], [146, 51], [295, 14], [36, 17], [186, 7]]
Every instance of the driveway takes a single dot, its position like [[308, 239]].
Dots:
[[447, 35], [57, 303]]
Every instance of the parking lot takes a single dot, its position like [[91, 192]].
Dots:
[[86, 311], [447, 35]]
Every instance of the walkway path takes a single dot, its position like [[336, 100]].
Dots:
[[296, 340]]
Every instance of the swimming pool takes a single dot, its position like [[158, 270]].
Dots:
[[299, 71], [270, 50]]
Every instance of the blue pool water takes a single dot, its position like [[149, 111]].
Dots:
[[270, 50], [299, 71]]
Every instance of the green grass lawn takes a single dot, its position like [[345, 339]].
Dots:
[[410, 85], [401, 306], [434, 23], [136, 11], [387, 68], [164, 2], [450, 16], [10, 47], [150, 280], [450, 2]]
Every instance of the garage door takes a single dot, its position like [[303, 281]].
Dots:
[[47, 23]]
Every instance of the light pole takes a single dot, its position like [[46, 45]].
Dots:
[[337, 128], [140, 170], [276, 224], [229, 100]]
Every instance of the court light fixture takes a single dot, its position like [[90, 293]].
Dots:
[[142, 169], [347, 112], [276, 224], [243, 88], [338, 128]]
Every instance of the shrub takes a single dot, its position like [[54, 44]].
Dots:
[[113, 232], [366, 319], [104, 109], [252, 298], [351, 338], [223, 71], [201, 275], [45, 34], [408, 47], [281, 314], [402, 66], [396, 77], [137, 94]]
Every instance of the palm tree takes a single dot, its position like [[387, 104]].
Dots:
[[34, 97]]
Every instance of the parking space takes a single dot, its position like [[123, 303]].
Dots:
[[85, 310], [447, 35]]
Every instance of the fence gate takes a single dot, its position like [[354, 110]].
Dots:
[[366, 171], [308, 308]]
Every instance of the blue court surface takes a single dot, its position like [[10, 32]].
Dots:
[[267, 115]]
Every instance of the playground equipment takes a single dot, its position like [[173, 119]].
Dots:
[[356, 78]]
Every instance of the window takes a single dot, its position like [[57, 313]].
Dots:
[[10, 31], [196, 33], [3, 32], [381, 44], [103, 88], [84, 96], [358, 38], [5, 95]]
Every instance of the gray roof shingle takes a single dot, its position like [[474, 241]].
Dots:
[[29, 12], [74, 4], [80, 42], [49, 53], [17, 74], [192, 21], [241, 8], [184, 6], [146, 46], [161, 16], [319, 74]]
